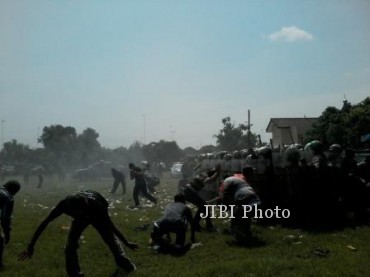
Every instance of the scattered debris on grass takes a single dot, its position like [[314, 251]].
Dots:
[[320, 252], [351, 248]]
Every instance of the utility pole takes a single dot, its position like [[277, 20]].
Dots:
[[2, 133], [38, 135], [172, 132], [249, 125], [144, 129]]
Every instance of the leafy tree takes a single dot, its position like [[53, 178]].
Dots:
[[119, 156], [135, 152], [44, 157], [189, 151], [89, 146], [343, 126], [58, 139], [208, 149], [169, 151], [329, 128], [14, 152], [61, 141], [88, 140], [166, 151], [232, 137], [357, 122]]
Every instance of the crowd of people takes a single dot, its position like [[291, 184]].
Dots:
[[320, 187]]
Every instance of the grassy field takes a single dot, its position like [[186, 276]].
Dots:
[[281, 252]]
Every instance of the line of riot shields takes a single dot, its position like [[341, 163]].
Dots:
[[320, 187]]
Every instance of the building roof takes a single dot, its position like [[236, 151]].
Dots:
[[289, 122]]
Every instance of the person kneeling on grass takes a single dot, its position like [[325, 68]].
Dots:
[[7, 192], [86, 208], [175, 220]]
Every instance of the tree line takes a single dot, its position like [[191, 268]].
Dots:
[[62, 146]]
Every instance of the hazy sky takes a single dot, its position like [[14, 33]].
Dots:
[[135, 70]]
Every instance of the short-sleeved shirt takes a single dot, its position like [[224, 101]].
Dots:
[[177, 211], [237, 190]]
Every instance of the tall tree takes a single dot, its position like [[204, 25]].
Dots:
[[61, 141], [135, 152], [232, 137], [88, 146], [343, 126], [88, 140], [167, 151], [208, 149], [329, 128], [14, 152], [357, 122]]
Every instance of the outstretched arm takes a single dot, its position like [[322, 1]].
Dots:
[[56, 212], [214, 176], [121, 237]]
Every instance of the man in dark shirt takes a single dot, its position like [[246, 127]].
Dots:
[[119, 177], [175, 220], [7, 192], [86, 208], [140, 184], [191, 192]]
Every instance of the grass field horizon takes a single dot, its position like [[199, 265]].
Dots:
[[281, 251]]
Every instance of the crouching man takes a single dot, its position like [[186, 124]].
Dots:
[[176, 218], [86, 208]]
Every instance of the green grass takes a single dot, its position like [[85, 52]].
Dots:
[[281, 254]]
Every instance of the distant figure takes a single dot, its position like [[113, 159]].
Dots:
[[140, 184], [7, 192], [175, 219], [41, 179], [26, 174], [39, 172], [161, 168], [61, 173], [150, 179], [86, 208], [119, 177]]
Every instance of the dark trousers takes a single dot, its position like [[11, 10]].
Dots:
[[41, 180], [141, 188], [194, 198], [2, 243], [164, 227], [77, 227], [116, 184], [241, 227]]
